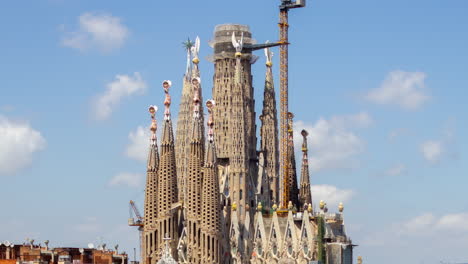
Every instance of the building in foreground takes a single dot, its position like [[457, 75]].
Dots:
[[37, 254], [211, 195]]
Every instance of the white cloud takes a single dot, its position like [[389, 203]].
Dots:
[[396, 170], [139, 143], [18, 142], [429, 223], [332, 143], [432, 150], [418, 224], [454, 222], [127, 179], [102, 31], [405, 89], [124, 85], [331, 195]]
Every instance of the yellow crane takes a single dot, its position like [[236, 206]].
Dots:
[[284, 26]]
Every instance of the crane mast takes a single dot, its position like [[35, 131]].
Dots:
[[284, 26]]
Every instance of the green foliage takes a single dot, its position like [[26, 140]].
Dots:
[[188, 44], [320, 236]]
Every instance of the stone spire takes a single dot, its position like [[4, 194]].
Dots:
[[184, 122], [167, 180], [194, 180], [292, 174], [211, 207], [269, 131], [305, 197], [151, 212]]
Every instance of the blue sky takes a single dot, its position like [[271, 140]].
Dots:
[[380, 85]]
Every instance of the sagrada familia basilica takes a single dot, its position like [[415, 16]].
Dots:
[[211, 195]]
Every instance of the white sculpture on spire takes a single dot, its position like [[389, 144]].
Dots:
[[195, 49], [268, 54], [238, 45]]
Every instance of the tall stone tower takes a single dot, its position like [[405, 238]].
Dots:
[[167, 180], [160, 221], [234, 129], [292, 172], [305, 196], [151, 213], [185, 117], [211, 207], [269, 132], [194, 183]]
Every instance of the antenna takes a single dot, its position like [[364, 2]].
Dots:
[[81, 250], [91, 245]]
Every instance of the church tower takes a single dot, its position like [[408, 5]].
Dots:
[[185, 117], [292, 172], [211, 207], [160, 221], [269, 132], [234, 129], [193, 204], [151, 213], [305, 196], [167, 180]]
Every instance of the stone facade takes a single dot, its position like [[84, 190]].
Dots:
[[213, 198]]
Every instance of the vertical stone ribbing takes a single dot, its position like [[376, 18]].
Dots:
[[151, 198], [183, 134], [234, 129], [305, 196], [211, 208], [292, 173], [194, 184], [167, 190]]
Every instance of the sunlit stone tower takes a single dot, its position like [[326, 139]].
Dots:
[[234, 129], [151, 211]]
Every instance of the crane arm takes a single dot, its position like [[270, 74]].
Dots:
[[135, 210]]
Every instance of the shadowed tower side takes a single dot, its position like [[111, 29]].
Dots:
[[292, 172], [269, 131]]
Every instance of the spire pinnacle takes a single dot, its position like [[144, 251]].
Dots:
[[305, 196], [154, 126], [195, 48], [210, 104], [188, 47], [196, 96], [167, 101], [269, 56]]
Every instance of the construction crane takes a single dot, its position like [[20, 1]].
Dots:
[[138, 222], [284, 26], [139, 218]]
